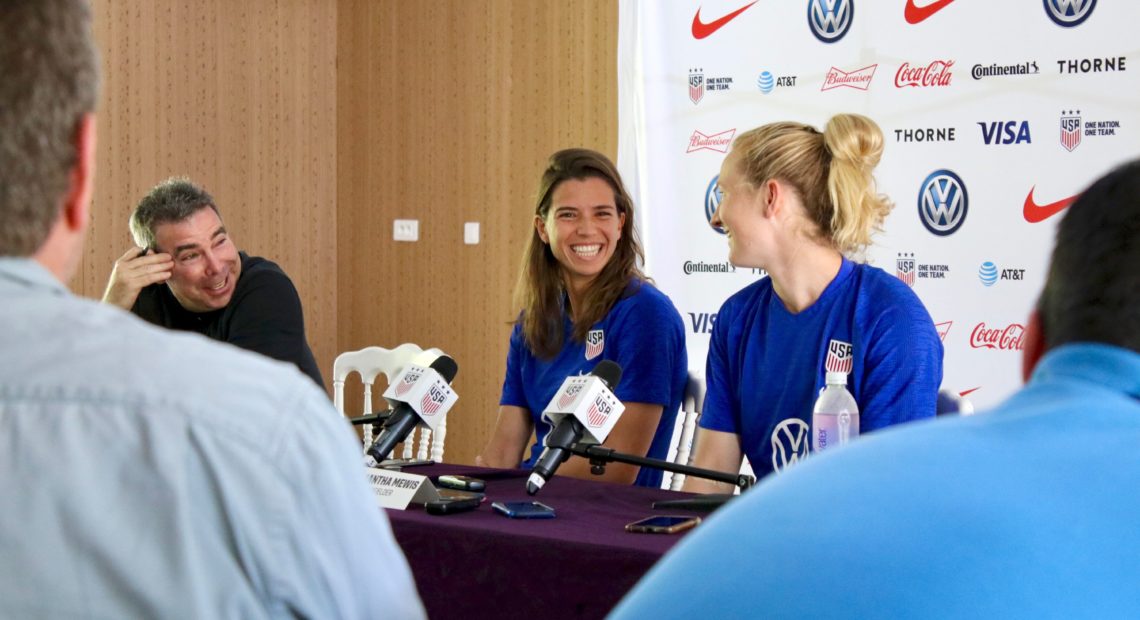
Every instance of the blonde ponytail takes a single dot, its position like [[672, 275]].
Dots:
[[856, 146]]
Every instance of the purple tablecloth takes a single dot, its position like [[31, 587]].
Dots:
[[480, 564]]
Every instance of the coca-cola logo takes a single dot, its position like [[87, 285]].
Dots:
[[936, 73], [1010, 338]]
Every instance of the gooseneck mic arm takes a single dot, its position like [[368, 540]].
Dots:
[[600, 455]]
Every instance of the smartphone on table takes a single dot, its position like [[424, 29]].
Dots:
[[664, 524], [523, 510], [462, 483], [452, 501]]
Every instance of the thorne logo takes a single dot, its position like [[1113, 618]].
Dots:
[[937, 73], [702, 322], [983, 71], [925, 134], [830, 19], [1069, 13], [1009, 338], [943, 202], [1005, 132], [718, 142], [1092, 65], [908, 269], [859, 78]]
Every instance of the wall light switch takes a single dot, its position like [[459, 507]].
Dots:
[[471, 233], [406, 230]]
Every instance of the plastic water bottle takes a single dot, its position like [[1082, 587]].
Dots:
[[835, 419]]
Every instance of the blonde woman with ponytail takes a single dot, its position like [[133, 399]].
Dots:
[[802, 205]]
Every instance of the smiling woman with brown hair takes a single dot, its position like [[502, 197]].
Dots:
[[583, 299]]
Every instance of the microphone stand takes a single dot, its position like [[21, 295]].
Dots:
[[371, 418], [600, 455]]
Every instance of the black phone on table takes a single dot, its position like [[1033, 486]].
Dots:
[[463, 483], [452, 501]]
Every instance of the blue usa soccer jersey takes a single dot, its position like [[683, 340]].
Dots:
[[767, 365], [643, 333]]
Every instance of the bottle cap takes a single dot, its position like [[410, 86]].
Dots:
[[837, 378]]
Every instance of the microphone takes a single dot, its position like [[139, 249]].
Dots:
[[418, 395], [583, 410]]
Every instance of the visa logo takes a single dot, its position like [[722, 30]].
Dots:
[[702, 322], [1005, 132]]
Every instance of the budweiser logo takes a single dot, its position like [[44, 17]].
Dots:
[[859, 78], [936, 73], [1012, 338], [716, 142]]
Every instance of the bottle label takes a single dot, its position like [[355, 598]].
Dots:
[[833, 429]]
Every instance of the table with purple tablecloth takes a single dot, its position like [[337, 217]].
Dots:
[[480, 564]]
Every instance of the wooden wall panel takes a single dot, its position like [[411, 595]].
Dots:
[[241, 97], [446, 113]]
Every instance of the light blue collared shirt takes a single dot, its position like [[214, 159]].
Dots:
[[152, 474]]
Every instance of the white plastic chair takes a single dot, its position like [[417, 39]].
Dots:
[[681, 452], [372, 361]]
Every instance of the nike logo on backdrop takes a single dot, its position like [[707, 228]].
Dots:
[[915, 14], [1034, 212], [702, 29]]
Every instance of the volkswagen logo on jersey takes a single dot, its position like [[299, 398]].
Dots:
[[942, 202], [830, 19], [712, 201], [839, 356], [1069, 13], [790, 443], [595, 342]]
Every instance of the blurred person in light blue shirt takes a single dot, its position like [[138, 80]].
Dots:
[[148, 474], [1026, 511]]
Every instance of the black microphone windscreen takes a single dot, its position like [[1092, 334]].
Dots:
[[608, 371], [446, 367]]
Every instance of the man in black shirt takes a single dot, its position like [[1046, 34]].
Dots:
[[189, 275]]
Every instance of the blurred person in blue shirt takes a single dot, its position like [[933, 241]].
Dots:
[[148, 474], [1026, 511]]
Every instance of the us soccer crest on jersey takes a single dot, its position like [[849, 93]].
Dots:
[[839, 356], [595, 343]]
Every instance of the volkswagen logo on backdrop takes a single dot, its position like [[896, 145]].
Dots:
[[831, 19], [712, 201], [1069, 13], [942, 202]]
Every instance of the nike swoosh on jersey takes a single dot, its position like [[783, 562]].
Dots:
[[915, 14], [1034, 212], [702, 29]]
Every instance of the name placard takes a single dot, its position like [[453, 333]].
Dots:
[[396, 489]]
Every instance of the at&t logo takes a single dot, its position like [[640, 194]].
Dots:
[[830, 19], [712, 201], [1069, 13], [943, 202], [988, 273]]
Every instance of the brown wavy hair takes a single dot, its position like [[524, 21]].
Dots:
[[541, 286]]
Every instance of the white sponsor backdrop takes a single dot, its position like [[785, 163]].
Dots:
[[669, 165]]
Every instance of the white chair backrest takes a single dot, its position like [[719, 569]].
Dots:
[[370, 362], [682, 450]]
